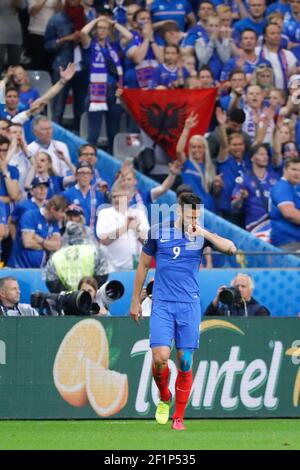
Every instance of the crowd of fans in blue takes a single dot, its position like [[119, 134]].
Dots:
[[245, 169]]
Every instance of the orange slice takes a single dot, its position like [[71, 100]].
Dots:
[[86, 340], [107, 390]]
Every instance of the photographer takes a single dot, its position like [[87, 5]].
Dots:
[[236, 301], [79, 257]]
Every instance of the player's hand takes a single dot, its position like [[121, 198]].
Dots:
[[195, 230], [136, 311]]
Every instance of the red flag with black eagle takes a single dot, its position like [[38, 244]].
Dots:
[[162, 113]]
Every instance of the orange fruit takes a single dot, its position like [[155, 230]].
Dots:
[[86, 340], [107, 390]]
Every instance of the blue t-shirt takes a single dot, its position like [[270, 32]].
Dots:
[[195, 32], [192, 176], [248, 23], [162, 10], [231, 66], [22, 207], [3, 214], [283, 231], [278, 6], [32, 221], [141, 197], [56, 185], [14, 174], [177, 263], [256, 209], [162, 75], [230, 170], [139, 75], [89, 203], [28, 97]]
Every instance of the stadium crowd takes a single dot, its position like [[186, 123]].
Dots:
[[246, 168]]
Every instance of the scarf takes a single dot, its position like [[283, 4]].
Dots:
[[76, 15], [98, 75], [283, 63]]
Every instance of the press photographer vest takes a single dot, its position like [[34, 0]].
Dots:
[[72, 263]]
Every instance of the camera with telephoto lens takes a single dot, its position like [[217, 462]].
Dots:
[[230, 296], [109, 293], [65, 303]]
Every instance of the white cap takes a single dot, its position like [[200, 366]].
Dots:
[[293, 78]]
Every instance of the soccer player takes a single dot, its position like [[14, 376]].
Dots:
[[176, 311]]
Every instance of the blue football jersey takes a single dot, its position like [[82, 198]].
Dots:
[[177, 263]]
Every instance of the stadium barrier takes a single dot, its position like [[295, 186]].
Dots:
[[244, 368], [277, 289]]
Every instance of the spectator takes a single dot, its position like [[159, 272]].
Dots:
[[263, 76], [236, 98], [106, 75], [38, 235], [85, 195], [3, 225], [230, 166], [189, 62], [18, 155], [246, 306], [128, 182], [88, 153], [291, 25], [255, 20], [143, 51], [198, 169], [40, 13], [283, 61], [169, 74], [12, 105], [282, 6], [166, 10], [285, 208], [77, 258], [233, 124], [10, 305], [214, 49], [259, 123], [27, 94], [4, 127], [171, 34], [62, 39], [90, 12], [43, 131], [39, 189], [122, 231], [206, 78], [10, 35], [252, 193], [90, 285], [246, 60], [9, 177], [206, 9], [41, 167]]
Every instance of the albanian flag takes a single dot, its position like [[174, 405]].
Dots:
[[162, 113]]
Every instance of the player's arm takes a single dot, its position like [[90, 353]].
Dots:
[[141, 274], [221, 244]]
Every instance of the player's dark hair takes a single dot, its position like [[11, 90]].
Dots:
[[190, 199]]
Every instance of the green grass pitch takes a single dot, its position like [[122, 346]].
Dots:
[[147, 435]]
